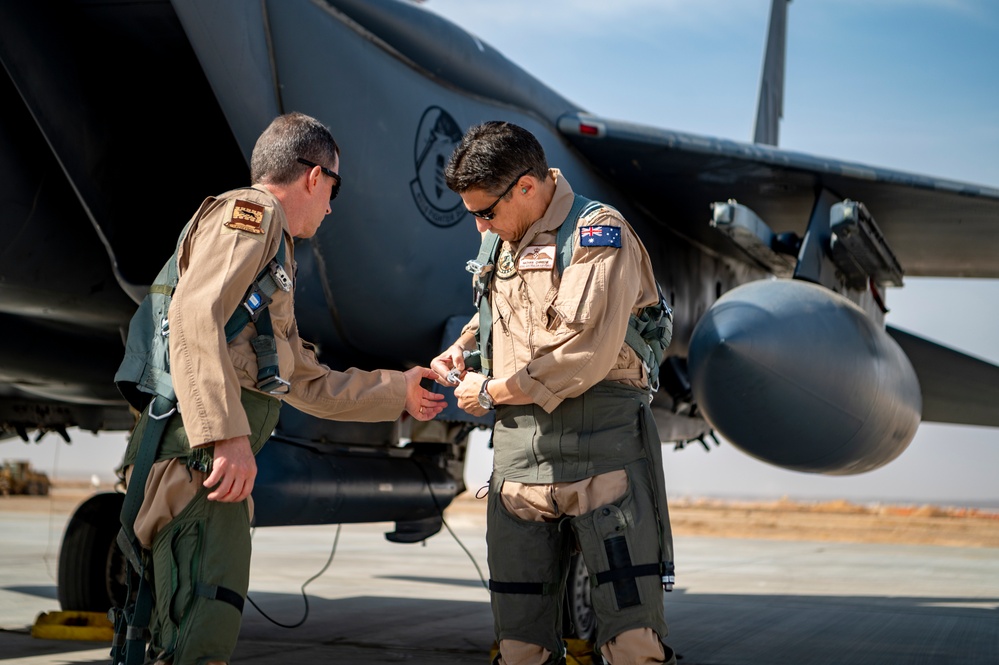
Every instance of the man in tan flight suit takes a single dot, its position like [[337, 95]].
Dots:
[[196, 512], [571, 400]]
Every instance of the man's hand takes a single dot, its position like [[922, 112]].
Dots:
[[233, 470], [451, 358], [421, 403], [467, 393]]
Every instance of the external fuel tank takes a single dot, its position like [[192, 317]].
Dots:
[[800, 377]]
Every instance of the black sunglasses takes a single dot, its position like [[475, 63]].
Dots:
[[487, 214], [335, 176]]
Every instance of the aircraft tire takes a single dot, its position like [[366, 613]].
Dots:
[[92, 570], [578, 619]]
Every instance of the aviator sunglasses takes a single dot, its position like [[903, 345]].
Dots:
[[487, 214], [335, 176]]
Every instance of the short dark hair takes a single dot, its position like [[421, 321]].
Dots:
[[491, 155], [288, 137]]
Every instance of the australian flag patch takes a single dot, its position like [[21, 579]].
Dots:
[[599, 236]]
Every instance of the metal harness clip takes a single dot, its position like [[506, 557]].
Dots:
[[280, 277], [274, 385]]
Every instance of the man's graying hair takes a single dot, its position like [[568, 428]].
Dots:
[[491, 155], [288, 137]]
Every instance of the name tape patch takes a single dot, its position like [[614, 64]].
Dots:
[[537, 257]]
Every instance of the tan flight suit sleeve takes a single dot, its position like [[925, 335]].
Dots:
[[216, 264], [598, 291], [470, 328], [351, 395]]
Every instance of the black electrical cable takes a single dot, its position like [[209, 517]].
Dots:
[[336, 540], [305, 616], [440, 511]]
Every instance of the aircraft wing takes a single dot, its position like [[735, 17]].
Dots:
[[935, 227], [956, 388]]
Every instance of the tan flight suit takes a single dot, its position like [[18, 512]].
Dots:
[[235, 238], [558, 339]]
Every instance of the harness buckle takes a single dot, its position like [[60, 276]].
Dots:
[[653, 383], [165, 415], [280, 277], [474, 267], [255, 301], [274, 385]]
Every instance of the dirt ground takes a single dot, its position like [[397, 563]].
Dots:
[[826, 521], [780, 520], [837, 521]]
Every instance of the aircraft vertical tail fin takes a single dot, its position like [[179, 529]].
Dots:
[[771, 104]]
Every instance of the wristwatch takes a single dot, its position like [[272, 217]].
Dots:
[[485, 399]]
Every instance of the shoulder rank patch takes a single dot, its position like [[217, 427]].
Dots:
[[247, 217], [599, 236]]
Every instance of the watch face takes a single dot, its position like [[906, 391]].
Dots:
[[485, 401]]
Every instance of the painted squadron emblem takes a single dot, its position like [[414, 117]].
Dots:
[[505, 268], [436, 138]]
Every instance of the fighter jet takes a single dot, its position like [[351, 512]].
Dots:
[[117, 118]]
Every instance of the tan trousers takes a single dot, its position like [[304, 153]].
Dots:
[[169, 488]]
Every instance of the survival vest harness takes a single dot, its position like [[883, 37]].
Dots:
[[143, 378], [649, 333]]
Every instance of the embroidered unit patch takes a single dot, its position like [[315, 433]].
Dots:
[[247, 216], [505, 268], [599, 236]]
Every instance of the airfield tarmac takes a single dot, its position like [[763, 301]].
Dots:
[[824, 584]]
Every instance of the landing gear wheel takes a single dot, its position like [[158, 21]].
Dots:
[[579, 619], [93, 573]]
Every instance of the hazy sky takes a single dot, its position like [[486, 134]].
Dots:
[[904, 84]]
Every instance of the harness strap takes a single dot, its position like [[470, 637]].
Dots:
[[530, 588], [640, 328], [136, 617], [268, 379], [216, 592], [634, 339], [654, 453], [618, 574], [254, 308], [564, 239], [133, 633], [258, 296], [483, 268], [160, 410]]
